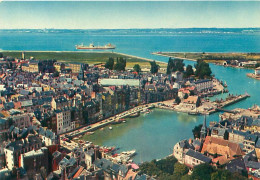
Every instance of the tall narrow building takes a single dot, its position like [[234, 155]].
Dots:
[[203, 131]]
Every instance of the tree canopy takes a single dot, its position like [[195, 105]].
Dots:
[[196, 131], [110, 63], [154, 67], [189, 71], [202, 69], [175, 65], [202, 172], [137, 68], [120, 64]]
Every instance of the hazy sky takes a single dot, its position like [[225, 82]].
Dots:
[[109, 15]]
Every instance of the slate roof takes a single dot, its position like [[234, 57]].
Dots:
[[236, 165], [109, 166], [256, 123], [198, 155], [17, 145]]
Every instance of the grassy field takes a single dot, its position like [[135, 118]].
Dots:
[[82, 57], [214, 57]]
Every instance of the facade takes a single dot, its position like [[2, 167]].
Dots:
[[18, 147], [21, 120], [193, 158], [64, 122], [191, 102], [203, 85], [75, 67], [180, 150], [118, 82], [34, 160], [59, 66], [236, 136]]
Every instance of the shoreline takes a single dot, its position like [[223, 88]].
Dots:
[[252, 75]]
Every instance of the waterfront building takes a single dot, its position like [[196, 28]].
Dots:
[[191, 102], [203, 85], [257, 71], [193, 158], [181, 148], [64, 122]]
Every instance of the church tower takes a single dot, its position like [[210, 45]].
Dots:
[[203, 131]]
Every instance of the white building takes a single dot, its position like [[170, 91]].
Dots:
[[64, 122], [193, 158], [203, 85], [48, 137], [257, 71]]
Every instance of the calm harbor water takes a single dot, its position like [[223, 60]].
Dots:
[[153, 135]]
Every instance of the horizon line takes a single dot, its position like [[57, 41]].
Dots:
[[129, 28]]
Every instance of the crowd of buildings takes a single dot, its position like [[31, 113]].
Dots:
[[41, 100], [233, 144]]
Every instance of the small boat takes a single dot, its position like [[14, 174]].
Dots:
[[124, 121], [134, 115], [194, 113], [110, 128]]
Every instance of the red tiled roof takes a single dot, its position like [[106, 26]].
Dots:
[[220, 146]]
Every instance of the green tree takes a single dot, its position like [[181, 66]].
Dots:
[[189, 71], [1, 55], [110, 63], [154, 67], [177, 100], [180, 169], [120, 64], [137, 68], [186, 96], [56, 74], [186, 177], [175, 65], [196, 131], [202, 69], [202, 172]]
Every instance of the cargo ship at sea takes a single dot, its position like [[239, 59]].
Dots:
[[92, 46]]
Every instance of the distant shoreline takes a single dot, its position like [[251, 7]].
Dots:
[[89, 57]]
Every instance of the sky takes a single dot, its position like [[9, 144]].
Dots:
[[125, 15]]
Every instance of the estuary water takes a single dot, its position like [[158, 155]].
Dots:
[[153, 135]]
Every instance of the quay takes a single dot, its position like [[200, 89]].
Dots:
[[109, 121], [233, 100], [214, 107], [159, 54]]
